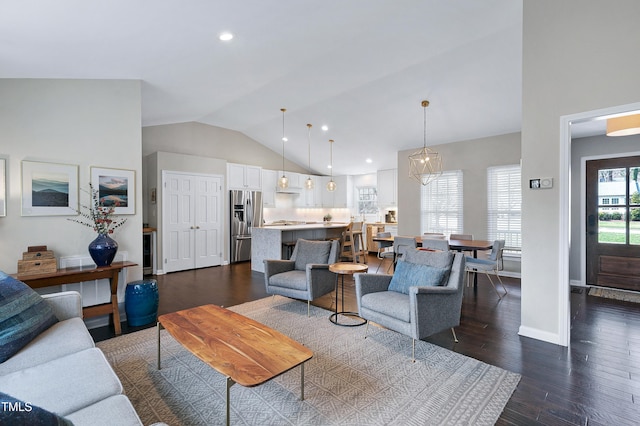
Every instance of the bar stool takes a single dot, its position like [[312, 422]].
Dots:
[[353, 243]]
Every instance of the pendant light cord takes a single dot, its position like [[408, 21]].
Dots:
[[309, 146], [283, 111]]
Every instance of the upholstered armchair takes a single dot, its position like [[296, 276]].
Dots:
[[306, 275], [423, 297]]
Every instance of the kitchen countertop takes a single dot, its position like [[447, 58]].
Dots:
[[306, 226]]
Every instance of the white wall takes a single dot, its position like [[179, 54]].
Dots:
[[473, 157], [576, 58], [158, 162], [80, 122], [215, 142]]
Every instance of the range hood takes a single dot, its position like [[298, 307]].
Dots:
[[288, 190]]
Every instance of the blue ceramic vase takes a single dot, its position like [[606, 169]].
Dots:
[[102, 250]]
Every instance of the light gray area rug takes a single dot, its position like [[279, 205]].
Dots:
[[349, 381], [611, 293]]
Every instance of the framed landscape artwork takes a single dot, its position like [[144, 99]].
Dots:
[[49, 189], [3, 187], [116, 188]]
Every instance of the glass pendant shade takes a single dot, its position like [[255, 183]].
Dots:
[[331, 186], [283, 182], [425, 165], [308, 184]]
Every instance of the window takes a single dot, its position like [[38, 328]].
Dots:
[[367, 200], [605, 201], [504, 211], [441, 204]]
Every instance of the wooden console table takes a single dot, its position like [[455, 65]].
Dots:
[[85, 273]]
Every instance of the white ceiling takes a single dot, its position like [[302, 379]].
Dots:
[[361, 67]]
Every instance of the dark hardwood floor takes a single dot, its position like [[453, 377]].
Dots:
[[594, 382]]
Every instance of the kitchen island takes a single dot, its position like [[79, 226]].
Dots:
[[267, 242]]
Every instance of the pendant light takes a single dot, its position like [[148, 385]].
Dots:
[[283, 182], [425, 165], [331, 186], [308, 184]]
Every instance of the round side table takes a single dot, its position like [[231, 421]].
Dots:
[[342, 269]]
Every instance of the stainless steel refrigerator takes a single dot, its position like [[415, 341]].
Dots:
[[246, 212]]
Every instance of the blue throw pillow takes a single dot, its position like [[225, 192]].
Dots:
[[409, 274], [24, 314], [14, 412]]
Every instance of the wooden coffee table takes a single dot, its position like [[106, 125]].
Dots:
[[247, 352]]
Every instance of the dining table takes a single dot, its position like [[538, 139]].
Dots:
[[458, 245]]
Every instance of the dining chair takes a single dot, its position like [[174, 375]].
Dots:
[[488, 266], [435, 244], [461, 237], [434, 235], [401, 245], [385, 249]]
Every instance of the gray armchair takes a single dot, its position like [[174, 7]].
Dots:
[[426, 309], [306, 275]]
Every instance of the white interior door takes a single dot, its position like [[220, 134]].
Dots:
[[192, 221], [208, 221], [178, 221]]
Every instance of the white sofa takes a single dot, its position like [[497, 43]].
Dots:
[[63, 372]]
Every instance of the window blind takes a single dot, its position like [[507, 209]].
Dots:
[[504, 209], [441, 204]]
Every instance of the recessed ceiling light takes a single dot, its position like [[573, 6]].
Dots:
[[369, 160], [329, 167], [325, 127], [225, 36]]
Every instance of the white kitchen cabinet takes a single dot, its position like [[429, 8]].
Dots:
[[269, 183], [387, 188], [342, 197], [309, 197], [295, 181], [242, 176]]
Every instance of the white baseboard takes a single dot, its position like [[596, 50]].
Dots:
[[576, 283], [534, 333]]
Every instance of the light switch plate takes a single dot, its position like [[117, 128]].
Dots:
[[546, 183]]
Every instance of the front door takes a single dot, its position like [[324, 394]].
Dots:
[[613, 222]]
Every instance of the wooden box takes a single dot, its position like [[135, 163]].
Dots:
[[37, 255], [38, 266]]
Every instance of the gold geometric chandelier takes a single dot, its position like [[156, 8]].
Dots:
[[425, 165]]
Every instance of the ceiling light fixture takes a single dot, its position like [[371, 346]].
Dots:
[[624, 126], [225, 36], [425, 165], [309, 182], [331, 186], [283, 182], [325, 127]]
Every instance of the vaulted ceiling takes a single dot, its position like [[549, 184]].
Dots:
[[361, 67]]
